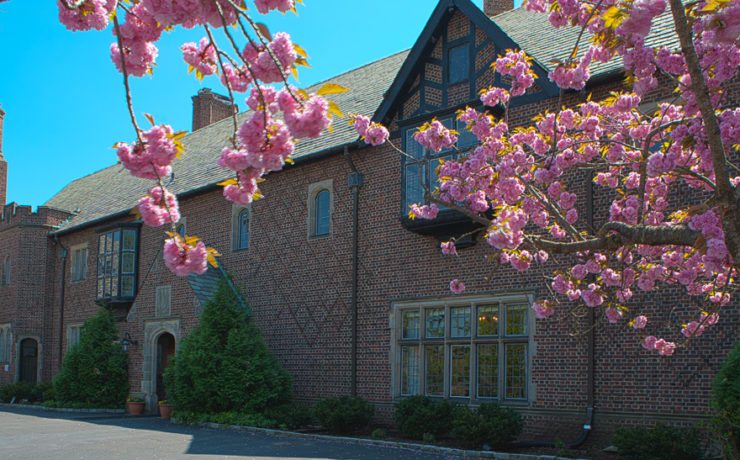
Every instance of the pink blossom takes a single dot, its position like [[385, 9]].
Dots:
[[90, 14], [139, 57], [201, 57], [435, 136], [306, 118], [448, 248], [183, 259], [159, 207], [428, 212], [543, 309], [457, 286], [494, 96], [613, 315], [640, 322], [265, 6], [649, 342], [237, 79], [263, 64]]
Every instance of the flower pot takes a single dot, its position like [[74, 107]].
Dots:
[[135, 408], [165, 411]]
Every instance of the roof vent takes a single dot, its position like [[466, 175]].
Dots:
[[496, 7]]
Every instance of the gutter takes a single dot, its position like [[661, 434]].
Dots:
[[203, 189], [354, 181]]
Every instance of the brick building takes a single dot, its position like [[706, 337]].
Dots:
[[350, 294]]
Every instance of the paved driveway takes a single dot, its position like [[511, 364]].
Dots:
[[37, 435]]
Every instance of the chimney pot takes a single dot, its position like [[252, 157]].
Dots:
[[496, 7]]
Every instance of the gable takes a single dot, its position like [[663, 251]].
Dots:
[[450, 64]]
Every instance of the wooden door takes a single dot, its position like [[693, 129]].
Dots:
[[165, 350], [29, 361]]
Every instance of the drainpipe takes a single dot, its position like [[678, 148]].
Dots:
[[354, 181], [63, 254], [591, 350]]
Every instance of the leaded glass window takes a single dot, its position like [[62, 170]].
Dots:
[[476, 350], [117, 264], [322, 213]]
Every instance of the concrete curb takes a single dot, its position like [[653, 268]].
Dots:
[[65, 409], [416, 447]]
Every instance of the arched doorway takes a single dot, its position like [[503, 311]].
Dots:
[[28, 364], [165, 351]]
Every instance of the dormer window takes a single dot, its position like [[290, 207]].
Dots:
[[420, 174], [458, 63], [118, 264]]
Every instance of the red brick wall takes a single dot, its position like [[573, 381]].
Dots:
[[299, 292]]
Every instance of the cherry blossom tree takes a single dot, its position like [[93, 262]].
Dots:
[[515, 182]]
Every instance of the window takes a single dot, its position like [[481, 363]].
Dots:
[[79, 262], [421, 166], [322, 216], [477, 350], [6, 343], [240, 219], [73, 335], [181, 229], [319, 209], [458, 65], [163, 301], [117, 264], [5, 272]]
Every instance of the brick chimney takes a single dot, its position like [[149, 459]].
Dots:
[[209, 107], [3, 165], [496, 7]]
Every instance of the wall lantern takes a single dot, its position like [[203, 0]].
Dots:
[[126, 342]]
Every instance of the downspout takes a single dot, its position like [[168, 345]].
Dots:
[[354, 181], [590, 348], [64, 252]]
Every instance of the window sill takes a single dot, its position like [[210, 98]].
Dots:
[[319, 237], [240, 249]]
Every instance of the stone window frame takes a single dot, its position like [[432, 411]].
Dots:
[[398, 343], [71, 327], [313, 192], [236, 213], [76, 273]]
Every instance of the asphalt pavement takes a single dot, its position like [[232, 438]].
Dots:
[[39, 435]]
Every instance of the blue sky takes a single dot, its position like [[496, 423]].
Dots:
[[64, 99]]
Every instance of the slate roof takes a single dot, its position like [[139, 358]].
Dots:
[[534, 34], [112, 191]]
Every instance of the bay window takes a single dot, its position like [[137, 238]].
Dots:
[[421, 166], [117, 264]]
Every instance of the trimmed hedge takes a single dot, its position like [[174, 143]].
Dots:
[[661, 442], [418, 415], [223, 366], [344, 414], [94, 372], [489, 425]]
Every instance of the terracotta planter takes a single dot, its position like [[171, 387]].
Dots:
[[165, 411], [135, 408]]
